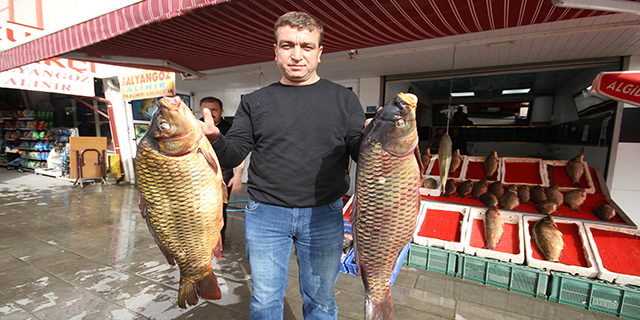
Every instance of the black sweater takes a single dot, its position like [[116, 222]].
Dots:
[[300, 139]]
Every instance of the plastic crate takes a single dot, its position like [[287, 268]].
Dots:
[[595, 295], [348, 263], [510, 276], [432, 259]]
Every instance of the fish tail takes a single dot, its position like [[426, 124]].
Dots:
[[187, 294], [208, 287], [577, 184], [375, 310]]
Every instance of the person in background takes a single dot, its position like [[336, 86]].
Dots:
[[458, 141], [232, 178], [460, 118], [301, 132], [434, 142]]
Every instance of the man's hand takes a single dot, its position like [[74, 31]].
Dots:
[[235, 183], [208, 126]]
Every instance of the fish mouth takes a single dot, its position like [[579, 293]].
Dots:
[[409, 99], [171, 102]]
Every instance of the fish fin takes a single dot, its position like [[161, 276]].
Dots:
[[416, 152], [142, 207], [352, 212], [187, 294], [164, 251], [217, 251], [225, 193], [210, 159], [378, 310], [208, 287]]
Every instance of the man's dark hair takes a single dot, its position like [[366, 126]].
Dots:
[[300, 20], [211, 99]]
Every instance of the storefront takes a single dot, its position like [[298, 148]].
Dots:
[[434, 51]]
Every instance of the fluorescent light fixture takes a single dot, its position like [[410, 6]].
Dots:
[[516, 91], [462, 94]]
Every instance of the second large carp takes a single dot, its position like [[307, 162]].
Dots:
[[387, 199]]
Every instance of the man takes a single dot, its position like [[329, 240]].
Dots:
[[301, 132], [232, 178], [434, 142]]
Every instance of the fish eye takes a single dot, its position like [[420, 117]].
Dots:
[[163, 125], [400, 123]]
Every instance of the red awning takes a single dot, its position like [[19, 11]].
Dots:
[[209, 34], [620, 86]]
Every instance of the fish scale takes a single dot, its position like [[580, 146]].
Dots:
[[382, 221], [181, 227]]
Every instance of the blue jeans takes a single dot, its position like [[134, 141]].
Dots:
[[270, 232]]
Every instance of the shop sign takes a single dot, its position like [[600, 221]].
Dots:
[[147, 84], [57, 75], [621, 86]]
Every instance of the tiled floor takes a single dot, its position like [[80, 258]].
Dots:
[[72, 253]]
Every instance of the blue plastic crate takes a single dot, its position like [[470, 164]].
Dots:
[[504, 275], [351, 268], [595, 295]]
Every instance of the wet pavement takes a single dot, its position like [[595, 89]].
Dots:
[[86, 253]]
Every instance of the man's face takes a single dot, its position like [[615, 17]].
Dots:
[[297, 55], [440, 132], [216, 111]]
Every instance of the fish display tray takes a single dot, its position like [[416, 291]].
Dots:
[[617, 252], [523, 171], [510, 276], [432, 259], [348, 264], [432, 192], [441, 225], [473, 167], [433, 169], [595, 295], [511, 245], [557, 173], [577, 256]]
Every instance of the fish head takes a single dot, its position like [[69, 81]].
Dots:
[[394, 125], [174, 128]]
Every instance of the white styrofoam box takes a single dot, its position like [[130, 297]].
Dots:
[[605, 274], [590, 271], [347, 206], [507, 217], [469, 159], [432, 192], [435, 242], [590, 188], [544, 177], [437, 176]]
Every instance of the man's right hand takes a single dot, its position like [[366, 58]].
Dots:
[[208, 126]]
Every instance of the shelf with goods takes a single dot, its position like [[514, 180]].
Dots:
[[19, 127]]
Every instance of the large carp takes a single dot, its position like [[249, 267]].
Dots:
[[387, 199], [182, 191]]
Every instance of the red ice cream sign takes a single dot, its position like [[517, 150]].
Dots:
[[619, 86]]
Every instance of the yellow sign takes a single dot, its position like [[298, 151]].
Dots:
[[148, 84]]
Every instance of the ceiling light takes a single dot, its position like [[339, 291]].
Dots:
[[516, 91], [462, 94]]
